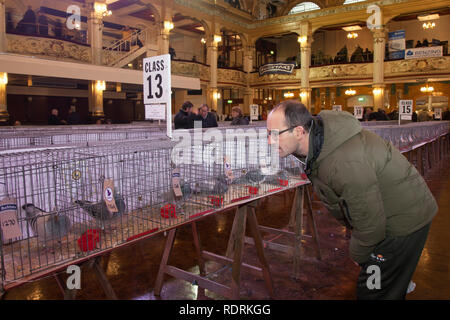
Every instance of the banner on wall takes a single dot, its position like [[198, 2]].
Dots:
[[277, 68], [426, 52], [397, 44]]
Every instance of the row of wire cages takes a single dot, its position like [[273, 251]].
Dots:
[[62, 205], [71, 137]]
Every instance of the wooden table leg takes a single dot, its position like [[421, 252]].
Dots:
[[298, 233], [254, 229], [162, 267], [198, 249], [230, 246], [68, 294], [291, 223], [106, 285], [238, 246], [313, 223]]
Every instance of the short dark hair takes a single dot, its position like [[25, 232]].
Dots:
[[187, 105], [295, 113]]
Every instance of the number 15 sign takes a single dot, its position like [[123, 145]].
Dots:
[[157, 89]]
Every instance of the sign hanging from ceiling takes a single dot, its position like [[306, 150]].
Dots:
[[277, 68]]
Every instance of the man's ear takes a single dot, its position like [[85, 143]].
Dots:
[[299, 131]]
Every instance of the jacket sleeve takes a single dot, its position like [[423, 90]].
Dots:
[[357, 185]]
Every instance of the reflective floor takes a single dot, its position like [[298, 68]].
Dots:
[[132, 270]]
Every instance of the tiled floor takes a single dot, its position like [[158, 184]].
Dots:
[[132, 270]]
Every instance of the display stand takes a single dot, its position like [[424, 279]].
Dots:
[[295, 224], [233, 257], [93, 263]]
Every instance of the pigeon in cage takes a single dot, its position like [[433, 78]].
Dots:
[[99, 210], [258, 176], [218, 186], [46, 226]]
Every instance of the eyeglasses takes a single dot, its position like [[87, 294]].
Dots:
[[275, 133]]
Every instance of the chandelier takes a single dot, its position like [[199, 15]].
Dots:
[[429, 25]]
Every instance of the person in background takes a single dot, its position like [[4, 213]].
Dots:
[[126, 33], [238, 117], [367, 185], [207, 118], [42, 23], [446, 114], [214, 112], [367, 112], [28, 23], [54, 119], [58, 29], [108, 121], [414, 116], [172, 53], [73, 118], [185, 118], [17, 123], [423, 116]]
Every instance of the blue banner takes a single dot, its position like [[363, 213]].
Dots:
[[397, 45]]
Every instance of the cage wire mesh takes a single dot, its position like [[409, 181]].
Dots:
[[62, 194]]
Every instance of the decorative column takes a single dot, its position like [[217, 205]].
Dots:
[[151, 41], [379, 41], [164, 38], [96, 89], [2, 26], [4, 116], [213, 93], [249, 52], [95, 31], [305, 40]]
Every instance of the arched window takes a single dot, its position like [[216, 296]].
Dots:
[[352, 1], [303, 7]]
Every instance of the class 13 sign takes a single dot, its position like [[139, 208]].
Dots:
[[157, 89]]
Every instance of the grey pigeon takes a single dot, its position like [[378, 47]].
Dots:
[[256, 177], [216, 186], [100, 212], [46, 226]]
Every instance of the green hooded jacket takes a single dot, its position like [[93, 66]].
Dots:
[[366, 183]]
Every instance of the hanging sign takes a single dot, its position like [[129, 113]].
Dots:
[[337, 108]]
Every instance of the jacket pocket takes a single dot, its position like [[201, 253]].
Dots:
[[345, 212]]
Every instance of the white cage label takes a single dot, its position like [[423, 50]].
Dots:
[[176, 182], [228, 170], [108, 195], [8, 219]]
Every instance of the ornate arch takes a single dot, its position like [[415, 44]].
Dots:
[[292, 3]]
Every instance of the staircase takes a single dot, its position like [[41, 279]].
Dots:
[[123, 51]]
